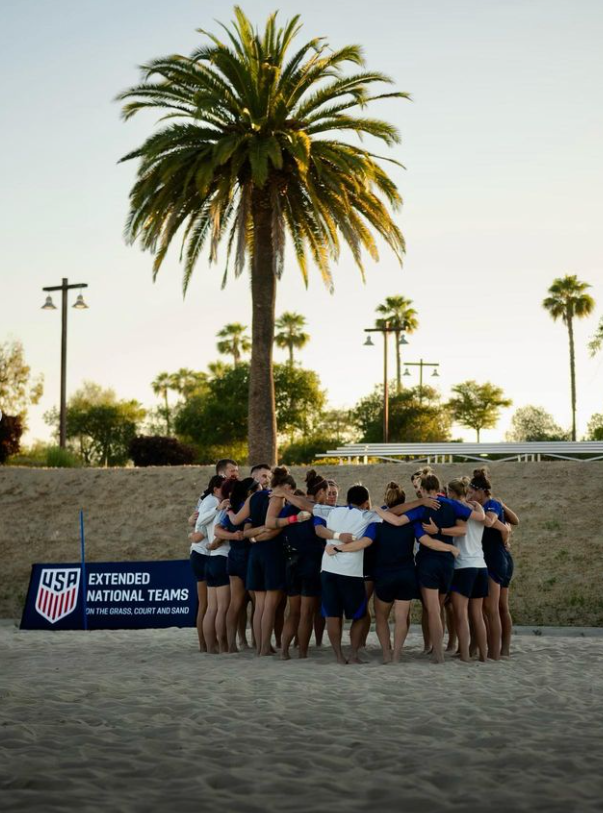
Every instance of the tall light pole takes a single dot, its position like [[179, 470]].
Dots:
[[50, 306], [420, 364], [385, 329]]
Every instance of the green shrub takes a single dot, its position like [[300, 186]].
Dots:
[[58, 458]]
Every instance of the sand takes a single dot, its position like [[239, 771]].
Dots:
[[141, 721], [139, 514]]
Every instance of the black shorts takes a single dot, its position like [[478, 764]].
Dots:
[[238, 560], [435, 572], [500, 564], [343, 594], [266, 567], [397, 585], [199, 565], [471, 582], [302, 574], [217, 571]]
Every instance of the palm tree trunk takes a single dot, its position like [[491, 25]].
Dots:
[[262, 412], [477, 431], [570, 330], [398, 370], [291, 354], [167, 411]]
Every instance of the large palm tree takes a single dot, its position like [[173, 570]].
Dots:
[[290, 335], [397, 312], [234, 341], [250, 154], [161, 385], [567, 300]]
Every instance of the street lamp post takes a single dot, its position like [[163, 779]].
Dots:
[[420, 364], [50, 306], [385, 330]]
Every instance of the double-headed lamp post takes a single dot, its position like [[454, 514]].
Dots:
[[386, 329], [420, 364], [50, 306]]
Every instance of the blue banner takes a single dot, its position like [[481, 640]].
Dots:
[[119, 595]]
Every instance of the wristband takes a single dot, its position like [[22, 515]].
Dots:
[[336, 535], [292, 519]]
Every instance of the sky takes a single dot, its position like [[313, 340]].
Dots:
[[502, 194]]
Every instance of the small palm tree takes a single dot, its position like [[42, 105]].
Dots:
[[398, 313], [596, 343], [234, 341], [251, 154], [567, 300], [290, 327], [160, 386]]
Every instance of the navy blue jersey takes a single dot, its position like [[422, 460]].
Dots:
[[394, 545], [301, 536], [444, 517], [258, 508], [492, 536], [235, 544]]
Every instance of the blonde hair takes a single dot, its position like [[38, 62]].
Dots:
[[394, 494], [459, 486]]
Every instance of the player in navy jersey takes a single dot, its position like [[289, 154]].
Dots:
[[499, 562]]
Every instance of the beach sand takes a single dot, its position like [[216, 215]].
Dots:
[[141, 721]]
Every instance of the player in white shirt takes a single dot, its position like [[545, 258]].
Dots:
[[347, 531]]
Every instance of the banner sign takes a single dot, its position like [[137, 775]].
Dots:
[[119, 595]]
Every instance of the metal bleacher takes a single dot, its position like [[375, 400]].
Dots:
[[586, 451]]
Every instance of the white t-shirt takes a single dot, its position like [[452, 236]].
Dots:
[[208, 510], [470, 546], [349, 520], [225, 546]]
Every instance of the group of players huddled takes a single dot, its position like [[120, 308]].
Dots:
[[263, 541]]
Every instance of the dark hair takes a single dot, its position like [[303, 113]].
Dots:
[[281, 477], [429, 482], [260, 466], [394, 494], [481, 480], [221, 464], [315, 483], [357, 495], [215, 482], [332, 484], [241, 490], [227, 488]]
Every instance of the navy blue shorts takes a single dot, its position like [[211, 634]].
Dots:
[[266, 567], [302, 574], [397, 585], [238, 561], [471, 582], [217, 571], [343, 594], [500, 564], [199, 564], [435, 572]]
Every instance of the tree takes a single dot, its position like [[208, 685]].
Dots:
[[18, 390], [11, 429], [477, 406], [160, 386], [596, 343], [567, 300], [397, 312], [99, 426], [416, 415], [234, 341], [290, 327], [594, 430], [533, 423], [254, 156], [214, 421]]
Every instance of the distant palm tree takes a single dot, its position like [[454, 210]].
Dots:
[[398, 313], [566, 301], [290, 327], [185, 381], [234, 342], [596, 343], [160, 386], [258, 146]]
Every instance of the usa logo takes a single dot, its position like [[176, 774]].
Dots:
[[57, 592]]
